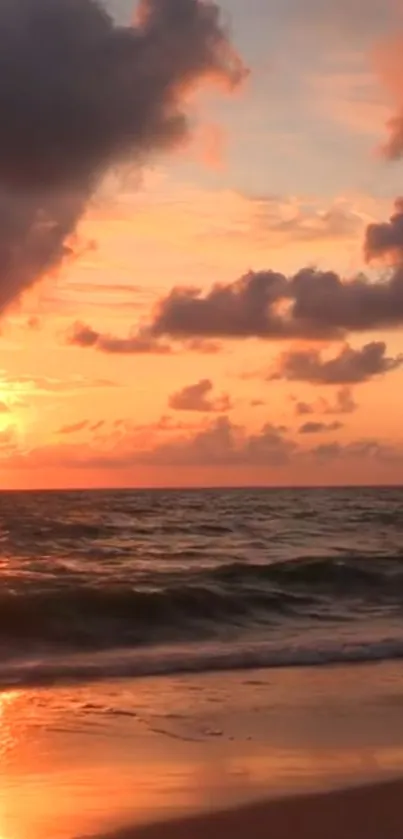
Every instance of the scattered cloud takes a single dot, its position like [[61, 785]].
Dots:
[[319, 427], [302, 409], [74, 428], [311, 304], [96, 426], [349, 366], [269, 453], [137, 343], [384, 240], [199, 397], [225, 444], [343, 403], [360, 450]]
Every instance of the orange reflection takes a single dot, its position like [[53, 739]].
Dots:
[[7, 739], [78, 761]]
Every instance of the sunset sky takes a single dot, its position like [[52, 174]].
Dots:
[[111, 378]]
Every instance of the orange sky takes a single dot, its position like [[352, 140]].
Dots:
[[283, 174]]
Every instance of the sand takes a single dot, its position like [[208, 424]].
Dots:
[[90, 760], [368, 812]]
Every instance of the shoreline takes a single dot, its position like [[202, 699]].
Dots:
[[205, 756], [368, 811]]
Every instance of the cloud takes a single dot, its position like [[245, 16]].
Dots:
[[389, 65], [198, 397], [303, 222], [199, 345], [221, 443], [302, 409], [311, 304], [343, 403], [349, 366], [80, 94], [385, 240], [140, 343], [44, 385], [360, 450], [319, 427], [225, 444], [221, 448], [96, 426], [74, 428]]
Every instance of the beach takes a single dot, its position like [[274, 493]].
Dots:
[[372, 811], [99, 758], [167, 656]]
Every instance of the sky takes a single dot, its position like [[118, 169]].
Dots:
[[211, 301]]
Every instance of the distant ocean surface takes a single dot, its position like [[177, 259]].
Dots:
[[121, 583]]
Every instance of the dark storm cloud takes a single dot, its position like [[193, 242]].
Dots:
[[385, 239], [349, 366], [310, 304], [78, 94], [140, 343]]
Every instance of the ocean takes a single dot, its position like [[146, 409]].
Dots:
[[101, 584]]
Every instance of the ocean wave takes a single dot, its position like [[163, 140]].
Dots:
[[106, 616], [323, 571], [129, 664], [196, 603]]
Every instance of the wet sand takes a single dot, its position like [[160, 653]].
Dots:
[[368, 812], [93, 759]]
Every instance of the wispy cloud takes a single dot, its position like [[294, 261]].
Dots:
[[74, 427]]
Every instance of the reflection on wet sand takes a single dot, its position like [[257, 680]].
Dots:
[[81, 760]]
